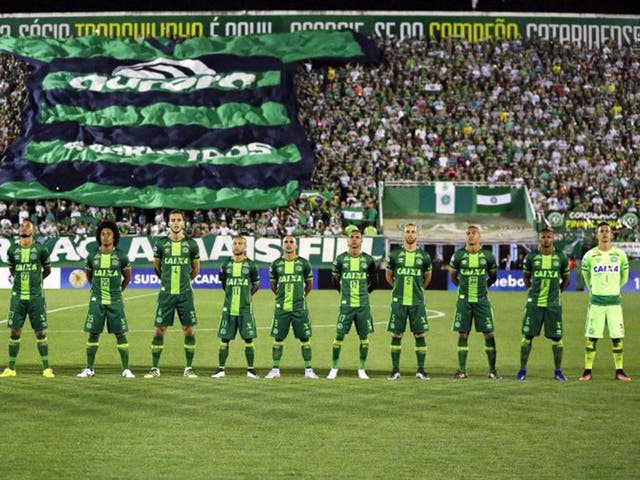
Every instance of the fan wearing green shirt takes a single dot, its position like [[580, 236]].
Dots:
[[546, 274], [29, 265], [605, 270], [473, 270], [109, 272]]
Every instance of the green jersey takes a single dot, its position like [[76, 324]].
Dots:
[[408, 270], [107, 270], [26, 265], [290, 277], [472, 269], [546, 277], [355, 275], [605, 272], [237, 279], [175, 263]]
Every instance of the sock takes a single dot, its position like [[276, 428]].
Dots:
[[589, 354], [14, 348], [463, 351], [276, 353], [43, 350], [557, 347], [335, 353], [123, 349], [249, 353], [525, 350], [189, 349], [157, 345], [490, 349], [223, 353], [364, 351], [421, 351], [305, 348], [92, 349], [396, 348], [616, 349]]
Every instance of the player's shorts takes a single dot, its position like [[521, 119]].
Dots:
[[600, 315], [36, 308], [416, 314], [478, 313], [112, 314], [361, 316], [245, 323], [167, 306], [299, 320], [535, 317]]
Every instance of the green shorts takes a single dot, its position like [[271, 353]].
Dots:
[[245, 323], [600, 315], [113, 314], [535, 317], [36, 308], [478, 313], [167, 306], [417, 315], [361, 316], [299, 320]]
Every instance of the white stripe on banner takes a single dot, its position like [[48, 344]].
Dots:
[[445, 197], [493, 200]]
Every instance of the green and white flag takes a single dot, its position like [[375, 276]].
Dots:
[[445, 197], [493, 199], [352, 213]]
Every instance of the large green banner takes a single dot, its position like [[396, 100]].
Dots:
[[588, 30], [320, 251]]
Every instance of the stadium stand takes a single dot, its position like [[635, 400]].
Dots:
[[558, 118]]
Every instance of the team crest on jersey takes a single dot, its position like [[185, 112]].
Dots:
[[418, 261], [555, 264], [298, 268], [114, 262], [34, 256], [245, 270], [613, 258], [185, 249]]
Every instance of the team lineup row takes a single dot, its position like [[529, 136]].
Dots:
[[176, 262]]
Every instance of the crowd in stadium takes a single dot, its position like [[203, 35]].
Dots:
[[558, 118]]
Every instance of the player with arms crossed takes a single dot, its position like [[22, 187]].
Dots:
[[240, 280], [409, 273], [29, 265], [546, 274], [291, 280], [176, 261], [605, 269], [473, 270], [109, 272], [354, 276]]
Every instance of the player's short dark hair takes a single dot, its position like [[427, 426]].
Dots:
[[111, 225], [546, 230], [602, 224], [176, 212]]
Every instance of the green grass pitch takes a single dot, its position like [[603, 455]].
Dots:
[[172, 427]]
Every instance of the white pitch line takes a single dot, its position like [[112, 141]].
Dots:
[[70, 307]]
